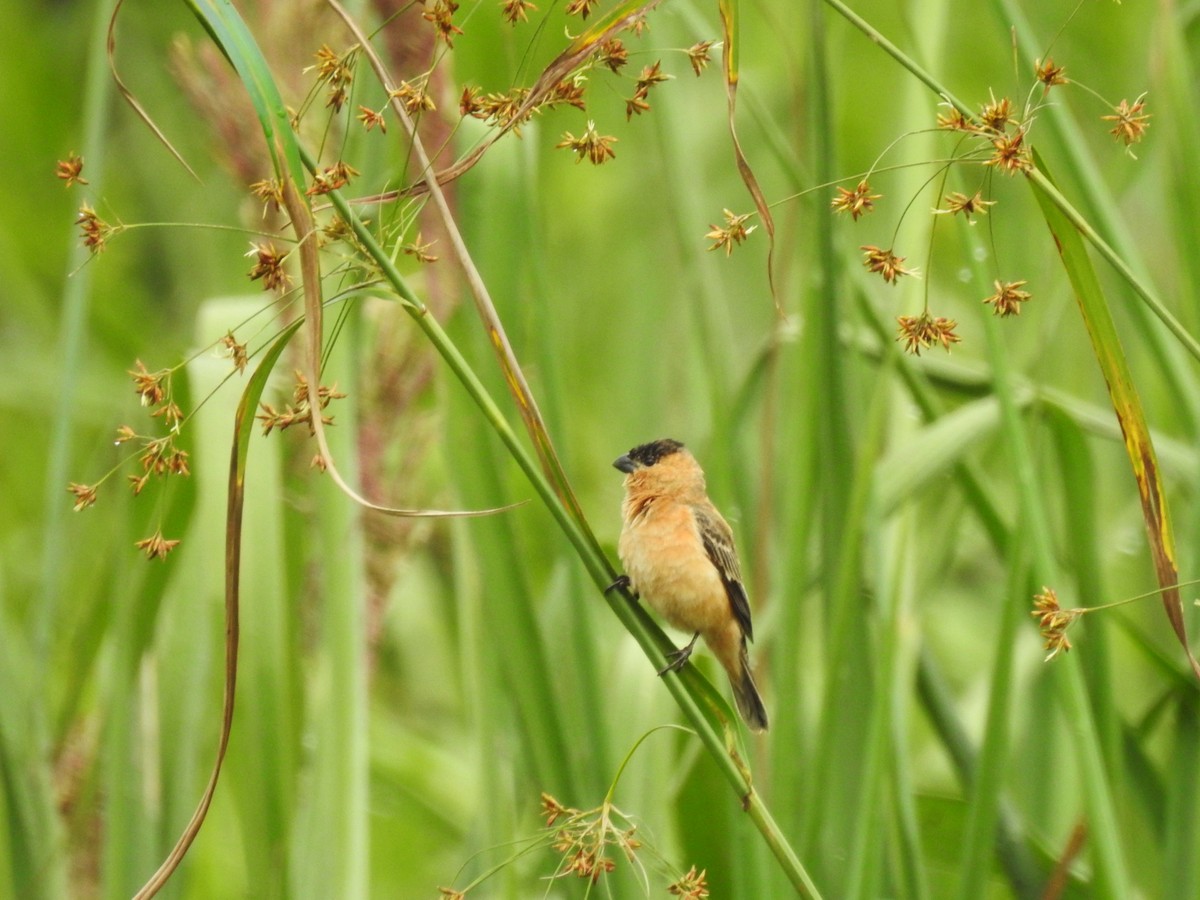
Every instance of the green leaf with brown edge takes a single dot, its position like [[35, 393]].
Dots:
[[729, 15], [243, 427], [1126, 402]]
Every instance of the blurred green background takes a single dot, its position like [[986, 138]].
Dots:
[[409, 687]]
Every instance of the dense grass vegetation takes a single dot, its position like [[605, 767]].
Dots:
[[418, 695]]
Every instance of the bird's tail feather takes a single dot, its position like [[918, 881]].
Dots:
[[745, 695]]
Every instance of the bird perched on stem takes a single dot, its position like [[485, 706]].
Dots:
[[678, 555]]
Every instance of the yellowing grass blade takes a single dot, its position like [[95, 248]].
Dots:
[[729, 12], [1126, 404]]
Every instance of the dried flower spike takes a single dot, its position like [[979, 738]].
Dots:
[[270, 192], [1053, 621], [414, 97], [968, 206], [1008, 298], [1131, 120], [156, 546], [857, 202], [1050, 75], [236, 351], [95, 231], [581, 8], [885, 262], [370, 118], [1010, 155], [70, 170], [149, 385], [923, 331], [692, 886], [419, 250], [954, 120], [612, 53], [268, 266], [441, 14], [85, 495], [996, 115], [698, 56], [734, 231], [590, 145], [515, 10]]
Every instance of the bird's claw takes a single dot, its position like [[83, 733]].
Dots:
[[621, 584], [677, 659]]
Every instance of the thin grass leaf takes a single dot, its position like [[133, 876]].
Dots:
[[729, 28], [129, 97]]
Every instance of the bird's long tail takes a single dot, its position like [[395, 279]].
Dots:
[[745, 694]]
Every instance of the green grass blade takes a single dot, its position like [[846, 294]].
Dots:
[[1126, 403]]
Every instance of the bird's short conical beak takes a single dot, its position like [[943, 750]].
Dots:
[[624, 463]]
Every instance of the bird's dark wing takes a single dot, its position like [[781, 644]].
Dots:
[[718, 544]]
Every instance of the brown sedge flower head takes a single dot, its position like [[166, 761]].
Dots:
[[581, 8], [337, 72], [568, 92], [70, 170], [1049, 74], [419, 250], [497, 109], [171, 414], [84, 494], [268, 266], [156, 546], [451, 894], [515, 10], [924, 331], [415, 98], [370, 118], [692, 886], [885, 262], [1053, 621], [734, 231], [955, 120], [970, 207], [1008, 298], [996, 115], [651, 75], [858, 202], [235, 351], [697, 55], [270, 192], [1010, 155], [441, 14], [583, 838], [332, 178], [552, 809], [612, 53], [94, 230], [1132, 121], [591, 145], [299, 410], [149, 385]]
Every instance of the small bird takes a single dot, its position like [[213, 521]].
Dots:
[[678, 554]]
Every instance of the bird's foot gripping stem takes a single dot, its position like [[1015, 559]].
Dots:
[[676, 659]]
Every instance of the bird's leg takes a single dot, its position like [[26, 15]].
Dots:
[[621, 584], [677, 658]]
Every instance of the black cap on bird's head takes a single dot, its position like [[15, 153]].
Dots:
[[646, 455]]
